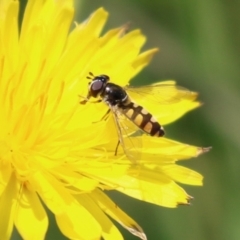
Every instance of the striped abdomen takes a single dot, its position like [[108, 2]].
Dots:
[[142, 118]]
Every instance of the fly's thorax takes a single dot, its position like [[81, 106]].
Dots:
[[142, 118], [113, 94]]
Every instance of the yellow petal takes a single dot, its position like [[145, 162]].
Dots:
[[142, 60], [151, 186], [182, 174], [8, 208], [9, 36], [5, 172], [100, 170], [4, 4], [110, 232], [165, 149], [30, 218], [65, 207], [43, 12], [170, 114], [73, 66], [55, 196], [77, 223], [117, 214], [52, 52], [95, 23], [75, 180]]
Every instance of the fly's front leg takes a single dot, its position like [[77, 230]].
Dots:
[[86, 99]]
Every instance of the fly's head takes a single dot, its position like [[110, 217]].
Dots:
[[96, 87]]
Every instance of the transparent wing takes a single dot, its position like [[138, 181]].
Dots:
[[128, 134], [163, 93]]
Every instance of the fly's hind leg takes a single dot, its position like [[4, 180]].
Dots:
[[105, 116], [116, 149]]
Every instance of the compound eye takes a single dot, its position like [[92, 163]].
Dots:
[[97, 85], [96, 88]]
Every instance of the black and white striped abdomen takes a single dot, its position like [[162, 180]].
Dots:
[[143, 119]]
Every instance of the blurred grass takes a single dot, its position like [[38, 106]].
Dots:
[[199, 43]]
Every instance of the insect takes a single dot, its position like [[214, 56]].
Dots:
[[120, 103]]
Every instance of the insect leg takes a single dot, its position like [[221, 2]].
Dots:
[[105, 115], [115, 154], [86, 99]]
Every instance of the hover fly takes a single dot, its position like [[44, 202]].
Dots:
[[120, 104]]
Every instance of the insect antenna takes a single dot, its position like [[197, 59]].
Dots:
[[91, 75]]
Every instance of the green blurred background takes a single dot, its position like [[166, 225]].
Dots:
[[199, 42]]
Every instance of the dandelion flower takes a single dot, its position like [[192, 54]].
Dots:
[[58, 154]]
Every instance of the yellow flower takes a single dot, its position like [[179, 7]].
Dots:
[[58, 153]]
